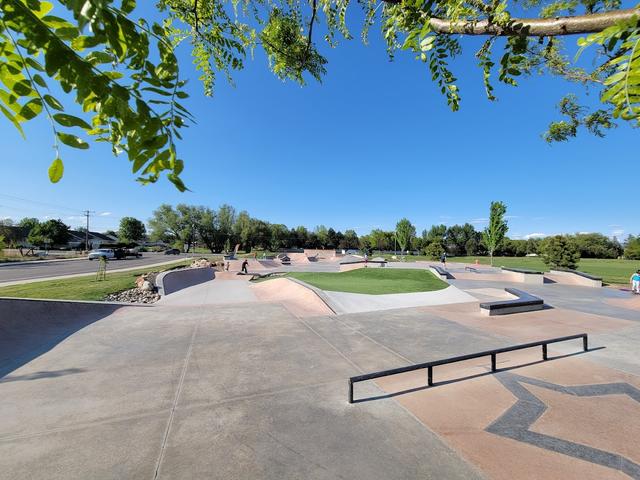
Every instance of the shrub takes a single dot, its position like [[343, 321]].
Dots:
[[560, 252], [632, 249], [434, 250]]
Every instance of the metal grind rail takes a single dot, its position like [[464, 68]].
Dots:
[[492, 353]]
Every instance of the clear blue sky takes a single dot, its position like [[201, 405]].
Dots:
[[373, 143]]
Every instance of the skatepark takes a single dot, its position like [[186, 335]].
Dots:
[[232, 378]]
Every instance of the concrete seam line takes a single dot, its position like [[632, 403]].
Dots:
[[375, 341], [183, 374], [242, 398], [81, 426], [331, 345]]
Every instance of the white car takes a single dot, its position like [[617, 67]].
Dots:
[[101, 252]]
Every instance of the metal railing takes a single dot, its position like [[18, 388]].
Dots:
[[492, 353]]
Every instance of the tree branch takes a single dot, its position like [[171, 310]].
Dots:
[[314, 9], [535, 27]]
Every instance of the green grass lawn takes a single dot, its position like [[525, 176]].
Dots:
[[374, 281], [82, 288], [611, 270]]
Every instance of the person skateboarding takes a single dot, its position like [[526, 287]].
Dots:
[[635, 282], [244, 266], [443, 259]]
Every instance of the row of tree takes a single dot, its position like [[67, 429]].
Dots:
[[221, 229]]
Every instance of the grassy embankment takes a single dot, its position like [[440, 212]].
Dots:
[[373, 281], [85, 287], [611, 270]]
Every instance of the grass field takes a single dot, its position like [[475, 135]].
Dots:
[[82, 288], [611, 270], [374, 281]]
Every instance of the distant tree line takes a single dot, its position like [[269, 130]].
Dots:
[[218, 230]]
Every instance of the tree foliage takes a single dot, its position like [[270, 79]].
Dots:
[[632, 248], [494, 234], [560, 252], [98, 74], [52, 232], [122, 74], [131, 230], [405, 232]]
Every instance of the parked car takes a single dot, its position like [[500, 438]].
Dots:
[[134, 252], [101, 252], [172, 251], [126, 252]]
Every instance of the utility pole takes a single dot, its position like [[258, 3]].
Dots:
[[86, 234]]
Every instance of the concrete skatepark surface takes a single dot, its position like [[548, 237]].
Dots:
[[231, 380]]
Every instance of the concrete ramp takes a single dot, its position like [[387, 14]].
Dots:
[[298, 299], [29, 328]]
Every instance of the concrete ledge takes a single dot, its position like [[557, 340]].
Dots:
[[355, 264], [578, 278], [174, 280], [524, 303], [524, 276], [440, 272]]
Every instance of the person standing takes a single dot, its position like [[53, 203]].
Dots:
[[635, 282], [443, 259], [244, 266]]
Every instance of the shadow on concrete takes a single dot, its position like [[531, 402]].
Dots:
[[29, 328], [469, 377], [43, 374]]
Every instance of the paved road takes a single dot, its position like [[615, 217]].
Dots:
[[34, 270]]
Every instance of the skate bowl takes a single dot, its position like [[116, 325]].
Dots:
[[30, 327], [174, 280]]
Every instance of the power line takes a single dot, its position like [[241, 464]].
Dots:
[[46, 204]]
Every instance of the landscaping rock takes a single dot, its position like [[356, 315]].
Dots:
[[135, 295], [200, 263]]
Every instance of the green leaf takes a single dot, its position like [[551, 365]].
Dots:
[[56, 169], [53, 103], [70, 121], [31, 109], [13, 120], [128, 6], [72, 141], [39, 80]]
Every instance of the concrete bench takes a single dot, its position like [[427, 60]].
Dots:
[[579, 278], [524, 276], [524, 303], [440, 272]]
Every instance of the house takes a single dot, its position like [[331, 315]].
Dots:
[[96, 240]]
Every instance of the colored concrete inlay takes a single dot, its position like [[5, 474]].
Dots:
[[534, 421]]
